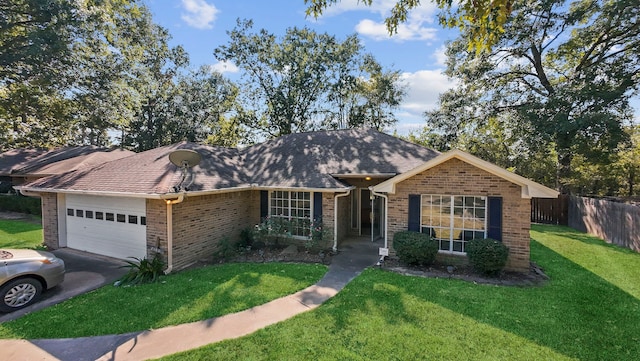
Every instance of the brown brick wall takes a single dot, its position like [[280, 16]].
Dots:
[[200, 222], [456, 177], [50, 220], [157, 227]]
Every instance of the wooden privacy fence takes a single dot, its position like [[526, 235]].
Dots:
[[617, 223], [550, 210]]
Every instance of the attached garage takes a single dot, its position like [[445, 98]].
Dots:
[[110, 226]]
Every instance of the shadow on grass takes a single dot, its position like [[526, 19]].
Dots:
[[577, 314], [563, 231], [183, 297]]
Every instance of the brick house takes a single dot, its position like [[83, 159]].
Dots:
[[357, 181]]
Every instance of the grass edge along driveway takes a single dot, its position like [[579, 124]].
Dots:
[[186, 296], [589, 310]]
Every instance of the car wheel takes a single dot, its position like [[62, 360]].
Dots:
[[19, 293]]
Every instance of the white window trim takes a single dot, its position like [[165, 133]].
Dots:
[[311, 196], [451, 215]]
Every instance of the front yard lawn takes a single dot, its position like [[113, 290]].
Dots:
[[19, 234], [182, 297], [589, 310]]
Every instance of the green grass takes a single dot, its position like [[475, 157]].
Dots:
[[183, 297], [589, 310], [19, 234]]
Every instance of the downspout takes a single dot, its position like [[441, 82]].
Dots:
[[335, 218], [170, 203], [386, 220]]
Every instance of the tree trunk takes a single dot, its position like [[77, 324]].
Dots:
[[563, 172]]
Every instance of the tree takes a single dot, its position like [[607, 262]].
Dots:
[[72, 70], [563, 71], [377, 96], [198, 107], [307, 81], [483, 19]]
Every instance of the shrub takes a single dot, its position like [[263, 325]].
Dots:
[[246, 238], [226, 249], [415, 248], [20, 204], [487, 255], [143, 270]]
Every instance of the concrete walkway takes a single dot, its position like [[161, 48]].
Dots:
[[355, 255]]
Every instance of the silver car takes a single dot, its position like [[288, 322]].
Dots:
[[24, 274]]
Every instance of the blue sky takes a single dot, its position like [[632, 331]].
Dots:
[[417, 51]]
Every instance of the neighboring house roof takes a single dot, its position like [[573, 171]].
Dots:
[[81, 162], [314, 160], [530, 189], [21, 161]]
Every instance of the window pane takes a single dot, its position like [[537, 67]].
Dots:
[[121, 218], [79, 213], [109, 217], [99, 215], [88, 214], [457, 246], [70, 212], [133, 219], [143, 220]]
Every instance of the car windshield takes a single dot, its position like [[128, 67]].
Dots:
[[5, 255]]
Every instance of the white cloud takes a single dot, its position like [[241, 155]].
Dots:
[[199, 14], [224, 67], [441, 56], [405, 32], [423, 89]]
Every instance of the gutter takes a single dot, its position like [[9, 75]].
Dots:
[[170, 203], [386, 220], [335, 218]]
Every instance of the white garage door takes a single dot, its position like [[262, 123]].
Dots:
[[111, 226]]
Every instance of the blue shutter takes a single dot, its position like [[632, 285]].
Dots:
[[494, 222], [414, 212], [317, 205], [264, 204]]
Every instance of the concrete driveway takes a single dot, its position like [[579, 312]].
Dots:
[[84, 272]]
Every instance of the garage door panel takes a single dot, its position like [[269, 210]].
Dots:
[[102, 236]]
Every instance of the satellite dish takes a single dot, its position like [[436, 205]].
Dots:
[[185, 158]]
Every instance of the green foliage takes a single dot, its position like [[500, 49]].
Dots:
[[487, 255], [548, 88], [21, 204], [273, 230], [247, 238], [415, 248], [143, 270], [305, 81], [226, 249], [485, 18]]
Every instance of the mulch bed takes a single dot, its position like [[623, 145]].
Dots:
[[283, 254], [534, 277]]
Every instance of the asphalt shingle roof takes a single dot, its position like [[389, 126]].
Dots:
[[303, 160], [21, 161]]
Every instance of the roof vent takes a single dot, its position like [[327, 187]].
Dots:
[[185, 159]]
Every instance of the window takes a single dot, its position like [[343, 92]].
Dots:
[[99, 215], [121, 218], [79, 213], [88, 214], [133, 219], [109, 217], [453, 220], [70, 212], [295, 207], [143, 221]]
